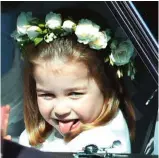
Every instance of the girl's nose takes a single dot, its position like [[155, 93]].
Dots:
[[62, 112]]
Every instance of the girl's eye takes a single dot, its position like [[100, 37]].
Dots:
[[75, 95], [46, 96]]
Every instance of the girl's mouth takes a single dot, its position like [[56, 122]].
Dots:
[[68, 126]]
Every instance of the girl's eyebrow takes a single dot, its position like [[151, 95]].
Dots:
[[75, 89], [67, 90], [42, 90]]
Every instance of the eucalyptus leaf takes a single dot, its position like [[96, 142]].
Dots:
[[38, 40]]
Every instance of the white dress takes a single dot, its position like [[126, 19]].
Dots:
[[102, 136]]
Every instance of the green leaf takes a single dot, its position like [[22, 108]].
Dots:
[[119, 73], [129, 72], [41, 25], [111, 62], [134, 70], [109, 34], [74, 27], [45, 31], [113, 45], [106, 59], [37, 40], [58, 31], [132, 77], [34, 21]]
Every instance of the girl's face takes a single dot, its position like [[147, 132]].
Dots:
[[67, 97]]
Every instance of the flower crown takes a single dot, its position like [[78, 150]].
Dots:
[[33, 30]]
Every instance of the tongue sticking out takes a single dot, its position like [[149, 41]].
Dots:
[[65, 127]]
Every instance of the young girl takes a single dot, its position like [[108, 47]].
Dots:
[[73, 93]]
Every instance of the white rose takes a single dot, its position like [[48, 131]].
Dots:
[[68, 25], [53, 20], [100, 42], [33, 32], [49, 37], [86, 31], [23, 22], [122, 54]]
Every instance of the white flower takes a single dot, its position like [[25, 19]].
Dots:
[[53, 20], [33, 32], [16, 36], [100, 42], [68, 25], [86, 31], [23, 22], [49, 37], [122, 54]]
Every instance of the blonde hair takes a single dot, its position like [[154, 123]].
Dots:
[[67, 49]]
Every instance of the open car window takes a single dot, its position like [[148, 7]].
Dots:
[[125, 20]]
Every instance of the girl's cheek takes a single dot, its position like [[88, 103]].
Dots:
[[81, 113], [44, 106]]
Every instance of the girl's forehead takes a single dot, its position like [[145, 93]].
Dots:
[[69, 73], [60, 67]]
